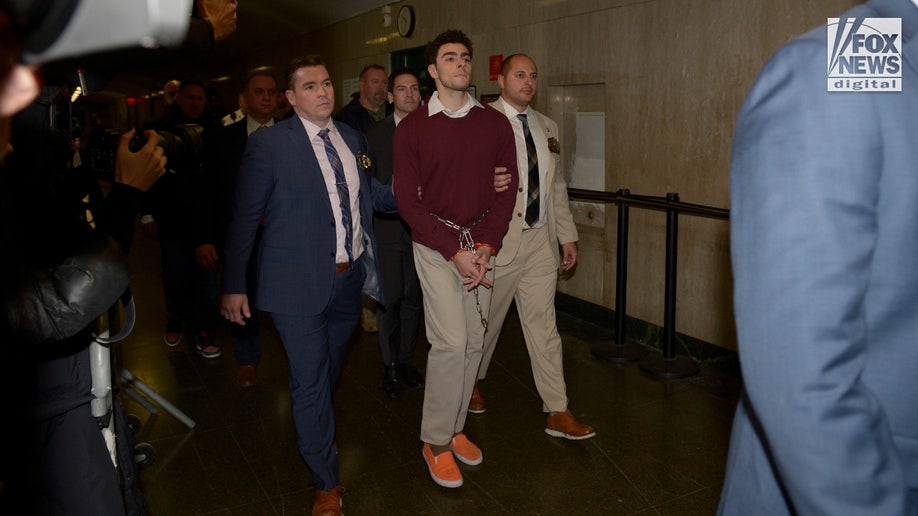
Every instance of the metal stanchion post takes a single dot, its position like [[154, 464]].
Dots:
[[669, 365], [620, 351]]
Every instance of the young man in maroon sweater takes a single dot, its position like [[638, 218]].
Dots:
[[450, 149]]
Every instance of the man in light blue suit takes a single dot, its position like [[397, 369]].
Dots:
[[824, 241], [308, 177]]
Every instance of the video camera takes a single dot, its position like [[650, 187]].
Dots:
[[57, 29], [60, 34], [182, 145]]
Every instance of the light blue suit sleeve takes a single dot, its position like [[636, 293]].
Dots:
[[805, 178]]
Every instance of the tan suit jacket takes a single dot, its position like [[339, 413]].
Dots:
[[558, 218]]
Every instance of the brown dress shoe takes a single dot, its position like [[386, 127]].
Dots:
[[563, 424], [328, 502], [476, 404], [245, 377]]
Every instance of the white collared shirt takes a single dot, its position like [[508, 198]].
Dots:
[[252, 125], [435, 106], [522, 157], [351, 175]]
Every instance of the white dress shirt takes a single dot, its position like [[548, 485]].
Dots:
[[352, 177], [435, 106], [252, 125], [522, 157]]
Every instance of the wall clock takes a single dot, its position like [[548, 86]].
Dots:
[[405, 21]]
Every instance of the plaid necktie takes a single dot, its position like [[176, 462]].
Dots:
[[344, 198], [532, 201]]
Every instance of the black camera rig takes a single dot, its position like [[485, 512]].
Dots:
[[182, 145]]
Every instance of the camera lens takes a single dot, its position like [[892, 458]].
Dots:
[[182, 145]]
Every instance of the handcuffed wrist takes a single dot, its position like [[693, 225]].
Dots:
[[489, 246]]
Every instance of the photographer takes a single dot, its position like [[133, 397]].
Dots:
[[53, 458]]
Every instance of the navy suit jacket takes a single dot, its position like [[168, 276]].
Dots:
[[281, 178], [390, 227], [824, 240], [215, 186]]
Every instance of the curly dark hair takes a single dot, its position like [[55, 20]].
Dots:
[[450, 36]]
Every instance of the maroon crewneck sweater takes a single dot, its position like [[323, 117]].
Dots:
[[453, 161]]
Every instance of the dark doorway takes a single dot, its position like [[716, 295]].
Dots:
[[414, 58]]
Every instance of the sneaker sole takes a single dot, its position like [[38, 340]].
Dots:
[[464, 460], [477, 411], [439, 481], [558, 433], [172, 344], [211, 354]]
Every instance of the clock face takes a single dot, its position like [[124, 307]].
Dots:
[[406, 20]]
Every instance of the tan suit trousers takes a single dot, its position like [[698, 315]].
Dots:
[[531, 280], [456, 337]]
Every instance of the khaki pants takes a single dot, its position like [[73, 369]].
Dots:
[[456, 336], [531, 279]]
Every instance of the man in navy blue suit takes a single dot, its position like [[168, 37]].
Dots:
[[307, 175], [214, 193]]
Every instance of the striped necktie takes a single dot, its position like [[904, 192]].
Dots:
[[532, 201], [344, 198]]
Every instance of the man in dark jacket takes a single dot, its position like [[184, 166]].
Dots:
[[400, 317], [213, 209], [370, 106], [190, 292]]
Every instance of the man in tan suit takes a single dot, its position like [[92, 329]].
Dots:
[[526, 268]]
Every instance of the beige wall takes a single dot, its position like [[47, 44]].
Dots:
[[670, 75]]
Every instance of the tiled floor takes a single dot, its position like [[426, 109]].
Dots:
[[660, 445]]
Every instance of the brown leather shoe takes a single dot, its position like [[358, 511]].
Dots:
[[328, 502], [563, 424], [476, 404], [245, 377]]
